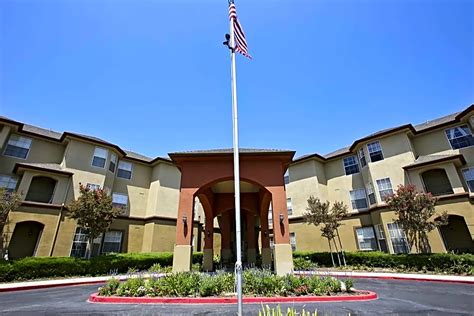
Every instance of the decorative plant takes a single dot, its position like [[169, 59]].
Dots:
[[415, 211]]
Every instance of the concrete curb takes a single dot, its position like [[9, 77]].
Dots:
[[95, 298], [33, 285], [395, 276]]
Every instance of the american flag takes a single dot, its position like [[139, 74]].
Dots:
[[239, 36]]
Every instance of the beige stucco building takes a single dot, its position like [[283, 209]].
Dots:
[[47, 167]]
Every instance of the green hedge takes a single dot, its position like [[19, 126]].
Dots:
[[48, 267], [435, 262]]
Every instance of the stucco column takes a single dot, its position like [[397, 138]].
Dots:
[[226, 245], [282, 252], [208, 252], [4, 132], [251, 250], [265, 238], [182, 254]]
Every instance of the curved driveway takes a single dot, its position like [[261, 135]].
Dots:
[[395, 297]]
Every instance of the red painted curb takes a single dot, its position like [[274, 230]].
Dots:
[[95, 298]]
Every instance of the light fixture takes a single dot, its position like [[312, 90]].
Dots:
[[208, 233], [265, 233], [281, 218], [185, 219]]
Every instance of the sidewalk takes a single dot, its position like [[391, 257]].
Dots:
[[29, 285]]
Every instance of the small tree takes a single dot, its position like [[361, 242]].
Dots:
[[9, 201], [321, 213], [94, 212], [415, 211]]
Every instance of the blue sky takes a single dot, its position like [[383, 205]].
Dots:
[[153, 76]]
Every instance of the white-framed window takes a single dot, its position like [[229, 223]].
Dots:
[[350, 165], [371, 194], [358, 199], [92, 186], [112, 241], [398, 238], [18, 146], [99, 158], [289, 207], [460, 137], [293, 241], [8, 182], [380, 234], [124, 170], [79, 243], [119, 200], [361, 155], [366, 238], [385, 188], [469, 177], [375, 151], [113, 162]]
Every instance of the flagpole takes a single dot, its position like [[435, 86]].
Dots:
[[238, 241]]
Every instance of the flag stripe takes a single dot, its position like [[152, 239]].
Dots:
[[239, 36]]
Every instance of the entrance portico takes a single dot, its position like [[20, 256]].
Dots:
[[208, 176]]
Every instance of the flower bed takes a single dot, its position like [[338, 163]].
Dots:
[[256, 283]]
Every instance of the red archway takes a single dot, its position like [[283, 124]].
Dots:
[[203, 171]]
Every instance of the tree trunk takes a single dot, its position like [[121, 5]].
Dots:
[[342, 249], [89, 248], [337, 251], [330, 251]]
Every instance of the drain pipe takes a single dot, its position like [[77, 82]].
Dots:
[[60, 216]]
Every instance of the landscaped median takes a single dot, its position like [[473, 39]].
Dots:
[[259, 286]]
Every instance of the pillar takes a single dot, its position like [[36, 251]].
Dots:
[[265, 198], [251, 250], [208, 252], [182, 254], [282, 252], [226, 244]]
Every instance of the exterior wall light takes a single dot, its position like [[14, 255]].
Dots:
[[208, 233], [281, 218], [185, 219]]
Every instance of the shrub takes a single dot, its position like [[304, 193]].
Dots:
[[110, 288], [132, 287], [303, 264]]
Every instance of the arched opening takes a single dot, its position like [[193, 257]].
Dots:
[[41, 190], [456, 235], [437, 182], [25, 239]]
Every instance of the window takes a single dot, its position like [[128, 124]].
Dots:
[[287, 177], [468, 176], [79, 244], [398, 238], [18, 146], [436, 181], [460, 137], [385, 188], [293, 241], [358, 199], [41, 190], [113, 162], [100, 156], [112, 241], [380, 234], [92, 186], [124, 170], [371, 194], [8, 182], [361, 154], [119, 200], [289, 207], [366, 238], [375, 151], [270, 216], [350, 165]]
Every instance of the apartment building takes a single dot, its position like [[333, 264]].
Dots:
[[47, 167]]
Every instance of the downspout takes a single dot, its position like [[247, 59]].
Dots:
[[60, 216]]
